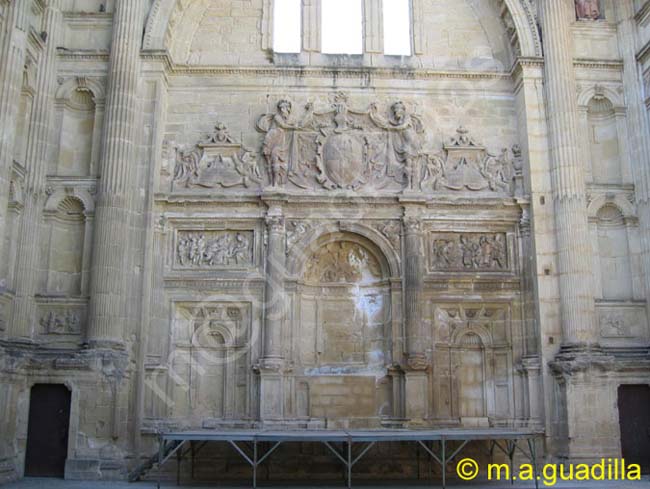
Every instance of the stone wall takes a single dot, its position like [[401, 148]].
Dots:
[[197, 232]]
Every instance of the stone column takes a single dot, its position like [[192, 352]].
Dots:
[[28, 259], [373, 27], [12, 53], [573, 242], [311, 26], [416, 390], [271, 367], [274, 296], [117, 171], [638, 127]]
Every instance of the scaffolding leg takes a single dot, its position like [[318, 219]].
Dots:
[[254, 464], [511, 456], [349, 464], [178, 467], [533, 456], [161, 451], [443, 445]]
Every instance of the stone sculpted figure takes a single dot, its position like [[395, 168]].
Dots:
[[406, 138], [588, 9], [186, 170], [277, 141], [240, 248]]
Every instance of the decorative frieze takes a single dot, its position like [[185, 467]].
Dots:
[[468, 252], [61, 320], [339, 147], [214, 249]]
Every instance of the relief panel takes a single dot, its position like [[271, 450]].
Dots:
[[468, 252], [214, 249], [622, 323]]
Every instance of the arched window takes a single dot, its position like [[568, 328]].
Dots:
[[397, 27], [287, 26], [342, 26]]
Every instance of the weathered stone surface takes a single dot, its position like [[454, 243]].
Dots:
[[197, 232]]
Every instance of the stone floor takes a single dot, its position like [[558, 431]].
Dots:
[[61, 484]]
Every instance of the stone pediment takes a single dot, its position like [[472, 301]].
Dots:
[[336, 147]]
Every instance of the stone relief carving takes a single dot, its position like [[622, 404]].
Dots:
[[295, 231], [342, 261], [468, 252], [214, 249], [213, 323], [61, 322], [489, 319], [466, 165], [621, 322], [390, 230], [216, 162], [341, 148], [588, 9], [332, 146]]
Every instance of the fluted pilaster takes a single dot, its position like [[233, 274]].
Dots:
[[108, 294], [12, 54], [638, 126], [574, 247], [274, 297], [413, 283], [40, 129]]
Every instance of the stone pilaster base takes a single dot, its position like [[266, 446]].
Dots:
[[417, 394], [271, 395]]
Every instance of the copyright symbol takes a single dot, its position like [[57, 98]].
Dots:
[[467, 469]]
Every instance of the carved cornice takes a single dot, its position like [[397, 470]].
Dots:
[[599, 64]]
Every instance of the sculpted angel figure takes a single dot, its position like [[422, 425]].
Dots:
[[186, 170], [588, 9], [277, 141], [406, 137], [433, 172]]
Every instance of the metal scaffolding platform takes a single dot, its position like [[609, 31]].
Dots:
[[245, 442]]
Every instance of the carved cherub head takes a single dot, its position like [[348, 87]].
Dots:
[[399, 111], [284, 108]]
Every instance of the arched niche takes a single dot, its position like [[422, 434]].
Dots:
[[341, 327], [67, 247], [79, 113], [613, 255]]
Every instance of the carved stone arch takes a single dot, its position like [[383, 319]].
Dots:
[[623, 205], [165, 14], [327, 233], [525, 21], [93, 86], [81, 195], [587, 94], [480, 331]]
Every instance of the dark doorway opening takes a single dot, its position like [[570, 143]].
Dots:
[[634, 415], [47, 431]]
